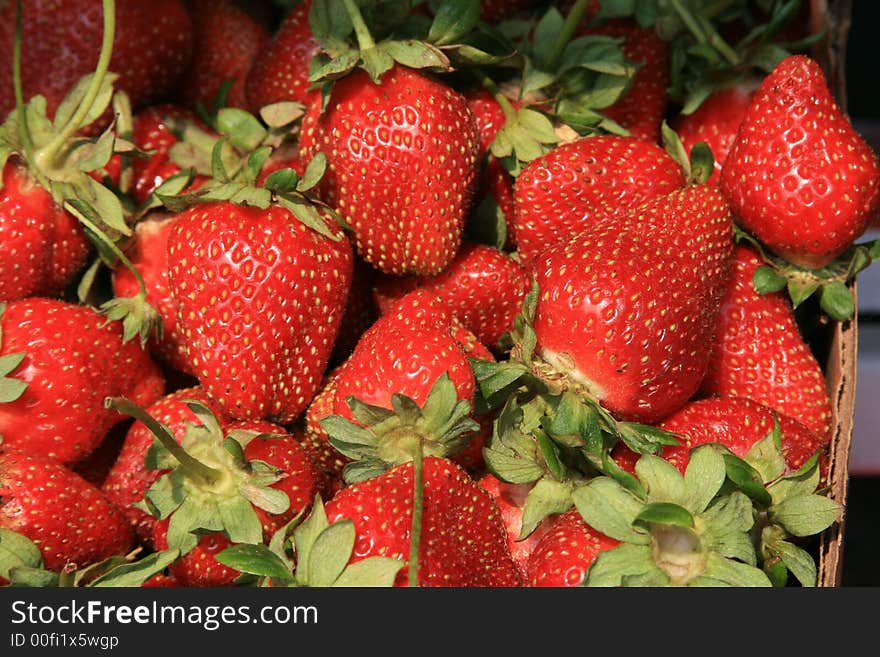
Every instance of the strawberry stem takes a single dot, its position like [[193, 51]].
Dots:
[[418, 506], [364, 38], [193, 467], [571, 24], [490, 86], [704, 33], [50, 151], [23, 130]]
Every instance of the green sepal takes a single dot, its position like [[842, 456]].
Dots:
[[766, 280], [135, 573], [662, 481], [241, 128], [726, 525], [17, 550], [612, 567], [747, 479], [766, 455], [609, 508], [805, 515], [256, 560], [795, 559], [663, 513], [453, 20], [71, 102], [546, 498], [26, 576], [138, 317], [734, 573]]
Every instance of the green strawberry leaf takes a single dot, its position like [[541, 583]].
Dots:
[[766, 280], [453, 20], [766, 455], [26, 576], [546, 498], [241, 128], [734, 573], [17, 550], [416, 54], [797, 560], [805, 515], [747, 479], [837, 301], [663, 513], [662, 481], [330, 552], [305, 535], [136, 573], [703, 478], [609, 508], [370, 572], [256, 560], [313, 174], [612, 567]]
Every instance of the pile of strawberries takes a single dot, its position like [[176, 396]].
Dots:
[[453, 293]]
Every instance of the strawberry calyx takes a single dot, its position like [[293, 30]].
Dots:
[[832, 284], [697, 165], [209, 486], [381, 438], [681, 530], [21, 564], [234, 159]]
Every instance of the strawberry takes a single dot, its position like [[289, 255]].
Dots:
[[280, 70], [316, 441], [599, 322], [360, 311], [565, 552], [161, 581], [760, 354], [402, 172], [44, 247], [715, 122], [405, 352], [130, 477], [260, 297], [152, 47], [148, 253], [798, 176], [483, 286], [65, 358], [227, 42], [510, 499], [642, 108], [735, 422], [577, 185], [463, 539], [70, 521]]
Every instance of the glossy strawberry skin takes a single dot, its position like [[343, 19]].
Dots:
[[260, 297], [715, 122], [316, 441], [463, 540], [74, 359], [628, 309], [735, 422], [151, 49], [280, 71], [577, 185], [70, 520], [642, 108], [227, 41], [565, 552], [402, 166], [148, 253], [483, 286], [129, 478], [760, 354], [405, 352], [798, 176], [42, 247]]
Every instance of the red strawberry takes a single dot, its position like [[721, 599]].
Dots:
[[148, 252], [161, 581], [129, 478], [43, 246], [402, 165], [316, 441], [260, 297], [511, 499], [64, 515], [626, 311], [72, 357], [715, 122], [760, 353], [199, 567], [405, 352], [483, 286], [735, 422], [565, 552], [151, 49], [227, 41], [642, 108], [577, 185], [463, 539], [798, 176], [280, 71]]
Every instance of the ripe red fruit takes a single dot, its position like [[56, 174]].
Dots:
[[715, 122], [130, 478], [280, 71], [735, 422], [483, 286], [565, 552], [316, 441], [402, 166], [405, 352], [463, 539], [577, 185], [626, 311], [64, 515], [227, 41], [642, 108], [73, 358], [760, 354], [260, 297], [43, 245], [151, 49], [148, 253], [798, 176]]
